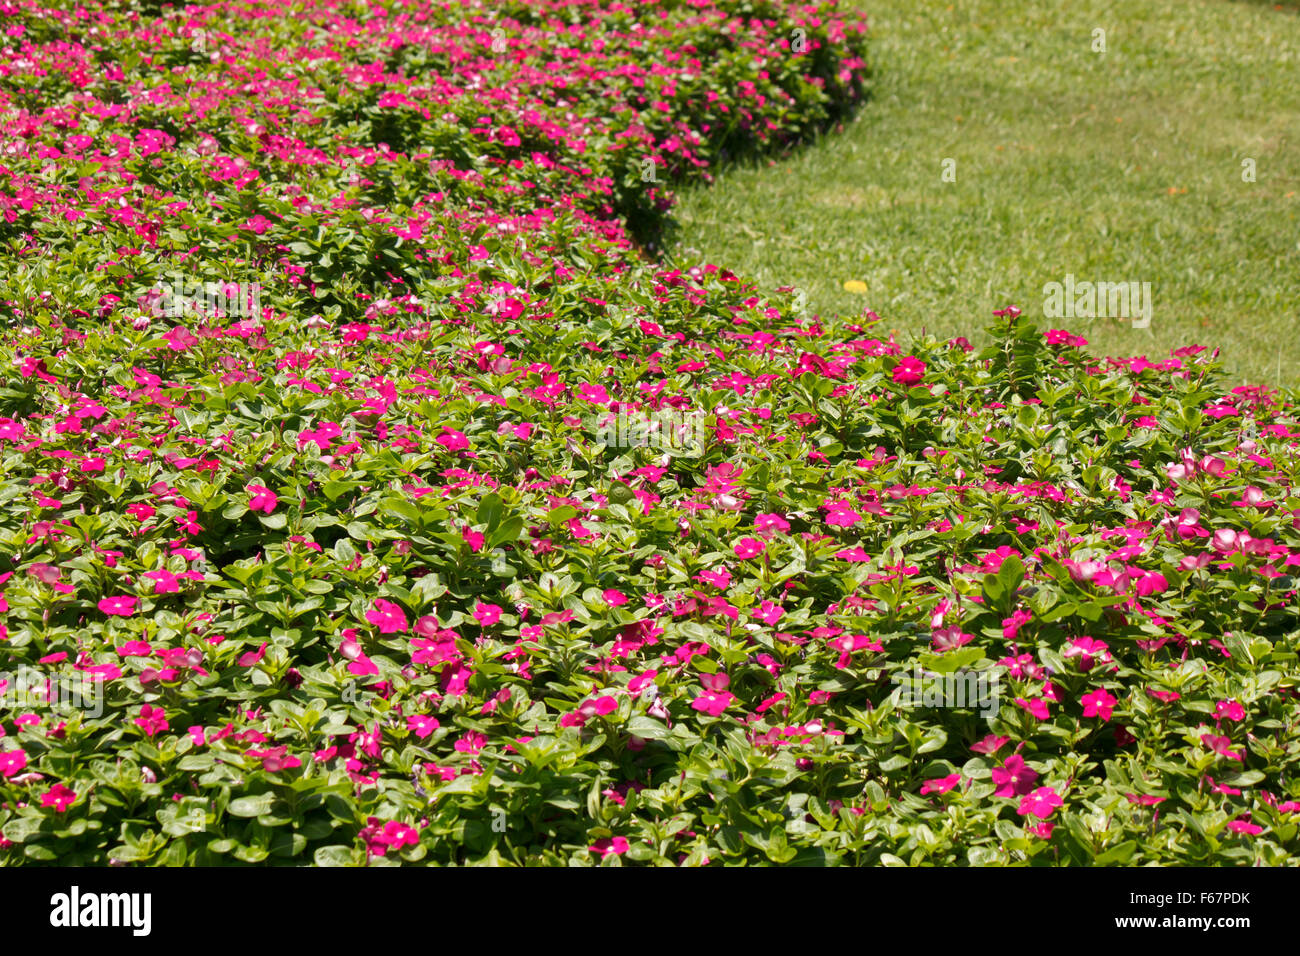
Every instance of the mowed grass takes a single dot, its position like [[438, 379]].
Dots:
[[1116, 166]]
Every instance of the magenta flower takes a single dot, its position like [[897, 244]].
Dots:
[[990, 744], [713, 703], [1037, 707], [152, 720], [597, 707], [180, 338], [720, 578], [593, 393], [1145, 799], [1098, 704], [275, 759], [842, 516], [421, 725], [118, 606], [487, 614], [766, 524], [264, 499], [387, 617], [1041, 803], [164, 582], [610, 845], [252, 658], [909, 371], [12, 762], [1229, 710], [1221, 746], [1152, 583], [940, 784], [614, 598], [1014, 778], [949, 638], [471, 742], [59, 797], [380, 836], [453, 440], [1244, 827], [749, 548], [506, 136]]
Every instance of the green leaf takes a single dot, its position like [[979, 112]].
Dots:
[[253, 806]]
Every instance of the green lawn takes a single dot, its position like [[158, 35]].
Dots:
[[1122, 166]]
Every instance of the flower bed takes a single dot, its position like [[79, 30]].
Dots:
[[368, 497]]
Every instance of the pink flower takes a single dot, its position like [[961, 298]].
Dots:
[[720, 578], [1244, 827], [1041, 803], [380, 836], [950, 638], [487, 614], [474, 539], [152, 720], [180, 338], [264, 499], [842, 516], [252, 658], [12, 762], [506, 136], [1014, 777], [616, 845], [59, 797], [119, 606], [909, 371], [1221, 746], [1011, 625], [940, 784], [767, 524], [749, 548], [471, 742], [1037, 707], [453, 440], [421, 725], [1152, 583], [713, 703], [275, 759], [597, 707], [164, 582], [1145, 799], [1229, 710], [990, 744], [1098, 704], [387, 617], [614, 598]]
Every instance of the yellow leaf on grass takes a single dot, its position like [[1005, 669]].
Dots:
[[855, 285]]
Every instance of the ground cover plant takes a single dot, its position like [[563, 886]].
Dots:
[[338, 562]]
